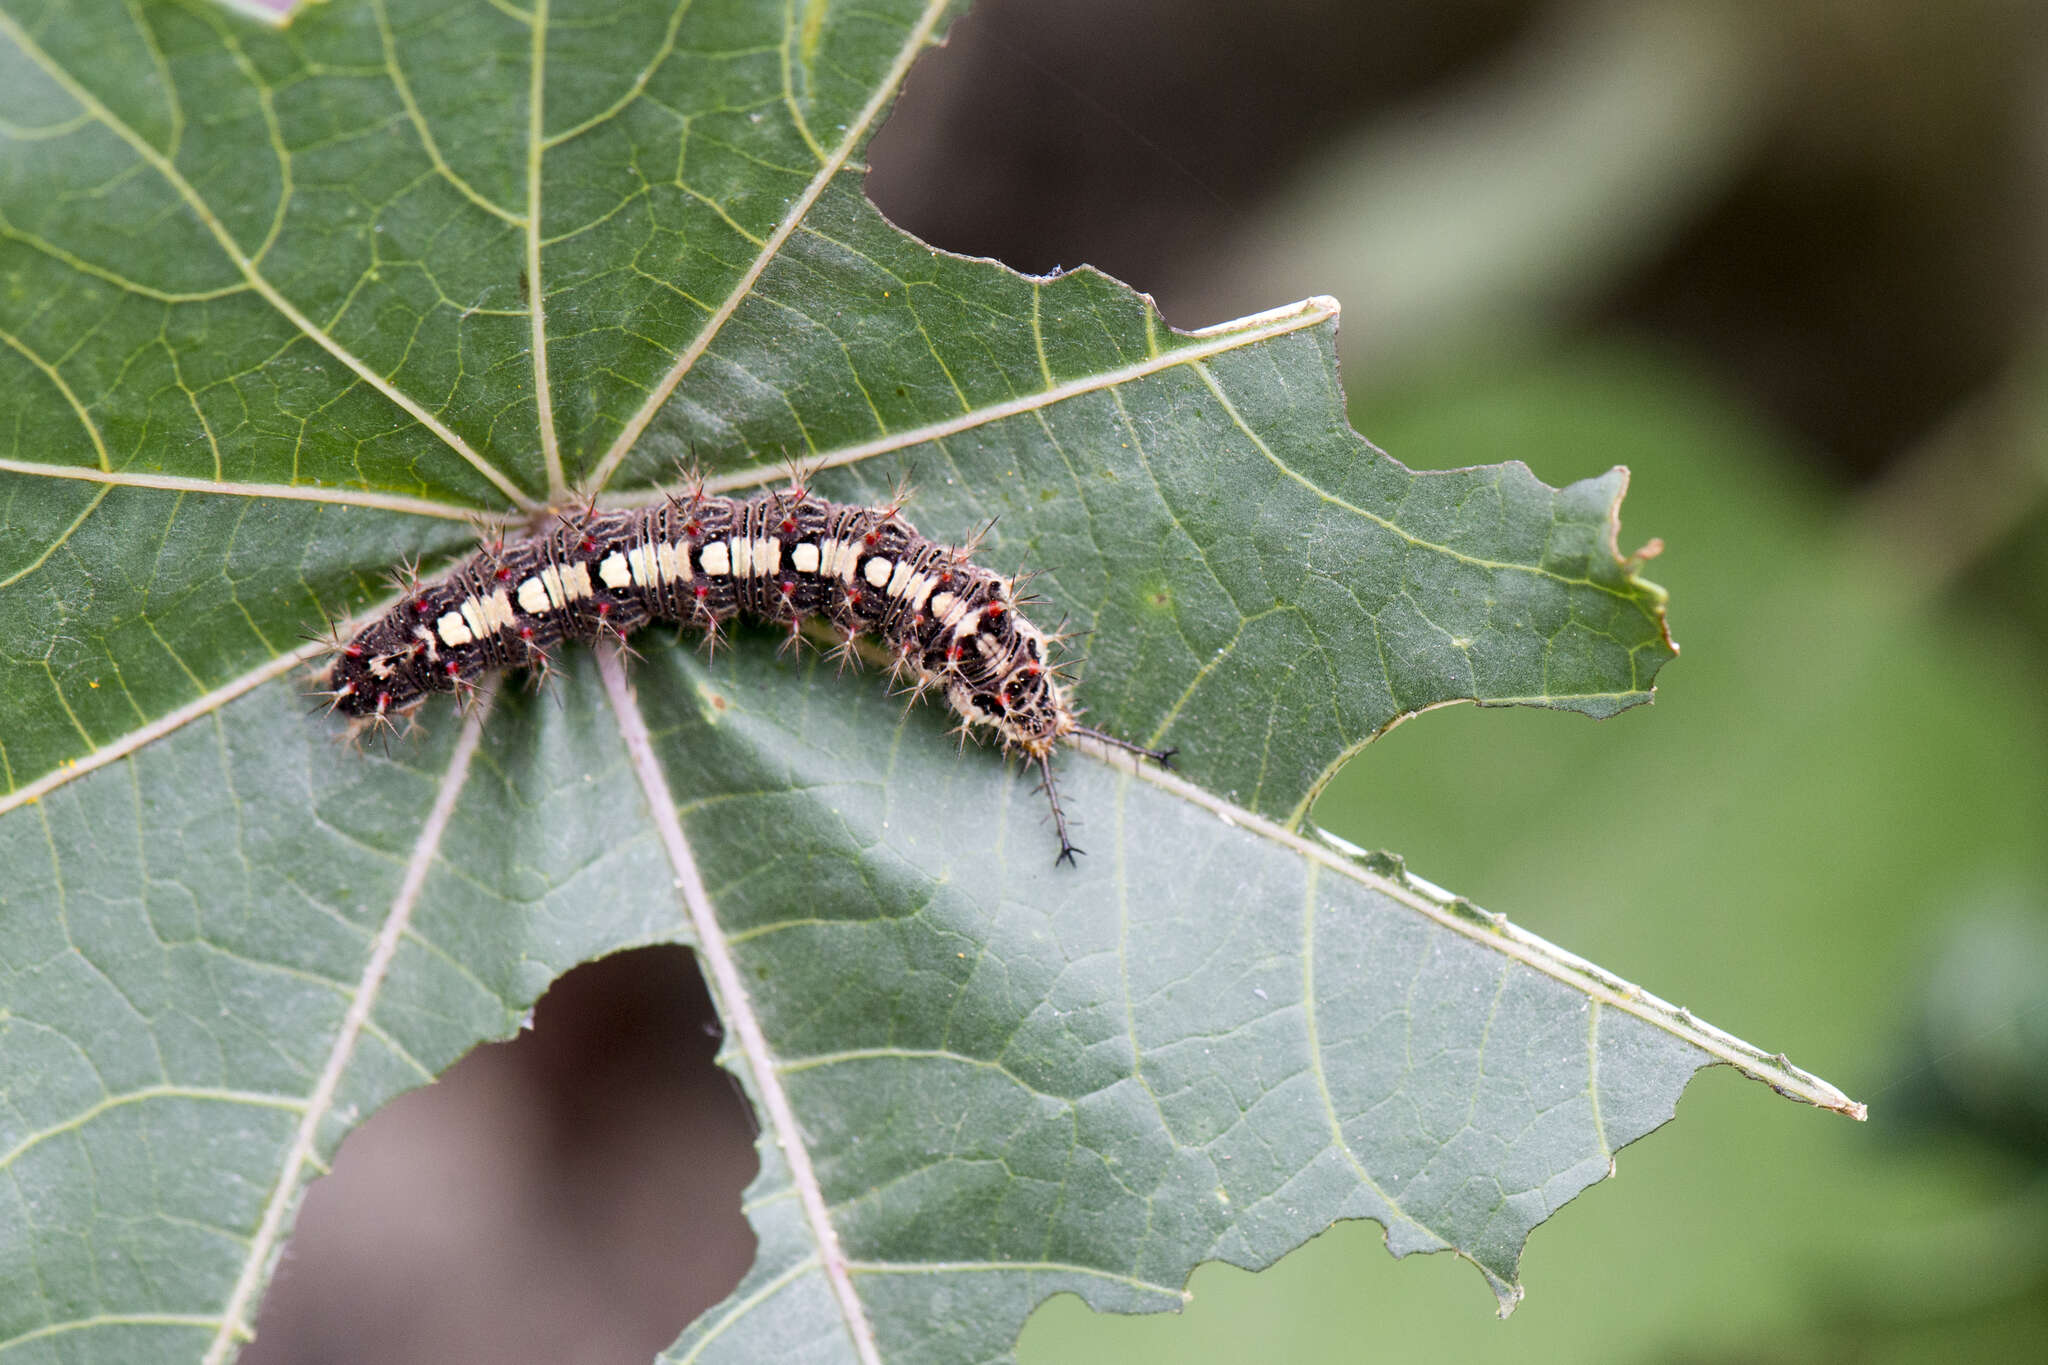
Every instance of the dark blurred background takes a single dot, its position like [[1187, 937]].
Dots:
[[1788, 260]]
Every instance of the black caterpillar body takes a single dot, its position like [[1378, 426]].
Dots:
[[783, 556]]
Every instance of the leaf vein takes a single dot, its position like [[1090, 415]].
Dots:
[[536, 147], [1246, 332], [919, 35], [162, 165], [396, 73]]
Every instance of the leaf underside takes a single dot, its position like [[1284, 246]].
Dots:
[[282, 307]]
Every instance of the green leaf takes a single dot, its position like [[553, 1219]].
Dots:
[[281, 307]]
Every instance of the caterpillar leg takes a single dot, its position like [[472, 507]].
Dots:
[[1163, 757]]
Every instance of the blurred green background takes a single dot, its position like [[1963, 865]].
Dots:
[[1785, 259]]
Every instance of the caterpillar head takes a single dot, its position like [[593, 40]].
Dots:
[[378, 673], [1027, 707]]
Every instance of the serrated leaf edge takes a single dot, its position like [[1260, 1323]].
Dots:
[[1389, 877]]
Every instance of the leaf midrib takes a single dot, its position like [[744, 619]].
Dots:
[[536, 293], [735, 1007]]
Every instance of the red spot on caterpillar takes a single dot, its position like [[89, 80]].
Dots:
[[503, 575], [604, 609], [702, 592], [420, 606], [872, 538], [588, 546], [452, 668], [787, 587], [693, 527], [353, 651], [993, 609], [789, 526], [383, 702], [526, 632]]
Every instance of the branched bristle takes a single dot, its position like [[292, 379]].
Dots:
[[490, 537], [405, 577], [846, 653], [1059, 816], [692, 476], [801, 474], [914, 693], [1163, 757], [971, 547], [576, 519], [794, 642], [492, 547], [899, 497], [713, 638]]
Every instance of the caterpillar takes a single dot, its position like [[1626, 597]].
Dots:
[[700, 559]]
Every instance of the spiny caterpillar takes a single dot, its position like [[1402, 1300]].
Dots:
[[700, 560]]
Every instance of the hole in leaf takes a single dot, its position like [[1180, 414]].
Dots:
[[573, 1194]]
